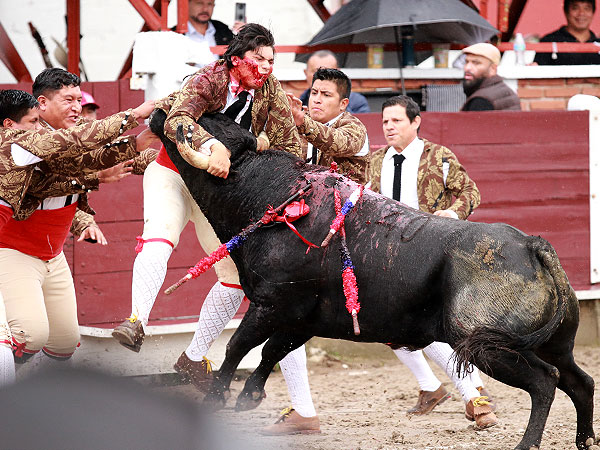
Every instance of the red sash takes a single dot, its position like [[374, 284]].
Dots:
[[164, 160], [6, 213], [42, 235]]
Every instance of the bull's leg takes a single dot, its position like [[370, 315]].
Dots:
[[579, 386], [528, 372], [275, 349], [255, 328]]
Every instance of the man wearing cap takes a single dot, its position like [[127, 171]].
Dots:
[[485, 90], [89, 107]]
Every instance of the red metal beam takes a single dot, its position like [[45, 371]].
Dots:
[[182, 16], [561, 47], [164, 7], [320, 9], [149, 14], [126, 69], [73, 33], [483, 9], [11, 58], [503, 9]]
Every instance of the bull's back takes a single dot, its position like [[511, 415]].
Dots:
[[496, 279]]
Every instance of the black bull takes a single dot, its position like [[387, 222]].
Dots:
[[500, 298]]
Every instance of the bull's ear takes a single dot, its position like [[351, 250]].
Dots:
[[190, 155]]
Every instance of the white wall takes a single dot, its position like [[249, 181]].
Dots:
[[108, 28]]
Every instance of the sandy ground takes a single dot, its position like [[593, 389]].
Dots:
[[362, 404]]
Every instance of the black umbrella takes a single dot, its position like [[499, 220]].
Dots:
[[382, 21]]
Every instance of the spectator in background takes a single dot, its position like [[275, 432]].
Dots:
[[579, 15], [89, 107], [202, 28], [485, 90], [326, 59]]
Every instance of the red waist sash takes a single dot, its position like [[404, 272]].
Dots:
[[164, 160], [6, 213], [42, 235]]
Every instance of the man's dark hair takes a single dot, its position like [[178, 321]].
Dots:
[[341, 80], [412, 109], [567, 4], [51, 80], [250, 37], [14, 104]]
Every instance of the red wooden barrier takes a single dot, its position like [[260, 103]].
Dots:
[[532, 169]]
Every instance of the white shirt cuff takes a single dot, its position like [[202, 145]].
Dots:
[[205, 148]]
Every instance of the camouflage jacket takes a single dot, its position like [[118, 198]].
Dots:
[[434, 194], [206, 92], [338, 142], [69, 153]]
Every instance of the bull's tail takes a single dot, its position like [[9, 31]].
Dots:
[[483, 342]]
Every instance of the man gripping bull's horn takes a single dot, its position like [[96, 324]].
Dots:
[[242, 87]]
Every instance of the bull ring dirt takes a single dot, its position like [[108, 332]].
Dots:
[[361, 400]]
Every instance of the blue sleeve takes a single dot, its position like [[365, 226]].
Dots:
[[358, 104]]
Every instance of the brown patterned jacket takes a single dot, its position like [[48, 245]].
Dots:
[[433, 193], [69, 152], [206, 92], [338, 142]]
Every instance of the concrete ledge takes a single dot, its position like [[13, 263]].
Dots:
[[162, 347], [164, 344]]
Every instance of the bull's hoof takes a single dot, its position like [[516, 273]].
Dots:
[[249, 400], [215, 401]]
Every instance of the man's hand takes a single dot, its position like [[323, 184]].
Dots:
[[145, 139], [297, 110], [446, 213], [94, 235], [262, 142], [116, 173], [144, 110], [218, 162], [236, 26]]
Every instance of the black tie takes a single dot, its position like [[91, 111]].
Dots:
[[398, 160], [315, 154], [235, 108]]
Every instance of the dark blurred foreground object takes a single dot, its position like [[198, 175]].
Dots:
[[85, 410]]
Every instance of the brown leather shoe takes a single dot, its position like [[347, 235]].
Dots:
[[479, 410], [484, 393], [428, 400], [199, 373], [130, 334], [291, 422]]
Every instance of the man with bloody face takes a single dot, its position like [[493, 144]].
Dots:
[[242, 87]]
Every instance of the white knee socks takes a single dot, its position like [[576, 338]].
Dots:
[[293, 368], [7, 366], [417, 364], [443, 355], [476, 378], [218, 309], [149, 270]]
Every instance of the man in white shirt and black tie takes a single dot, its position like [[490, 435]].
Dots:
[[429, 177]]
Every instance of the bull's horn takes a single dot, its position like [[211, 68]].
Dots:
[[191, 156]]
